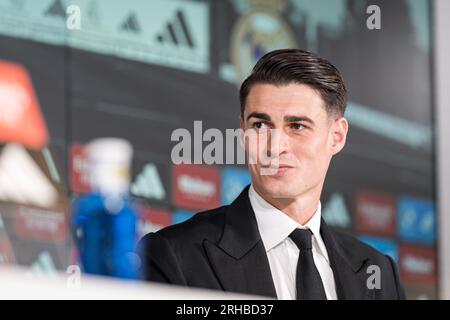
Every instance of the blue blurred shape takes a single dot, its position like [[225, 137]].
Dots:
[[180, 216], [416, 220], [385, 246], [234, 180]]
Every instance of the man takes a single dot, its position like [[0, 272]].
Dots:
[[271, 240]]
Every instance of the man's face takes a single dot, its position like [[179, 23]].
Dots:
[[294, 131]]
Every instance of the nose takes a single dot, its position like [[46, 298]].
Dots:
[[278, 143]]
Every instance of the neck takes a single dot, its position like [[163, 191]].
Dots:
[[301, 208]]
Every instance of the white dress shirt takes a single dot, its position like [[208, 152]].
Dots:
[[275, 228]]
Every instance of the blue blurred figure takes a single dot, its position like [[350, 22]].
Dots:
[[104, 220]]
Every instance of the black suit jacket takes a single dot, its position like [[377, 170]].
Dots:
[[222, 249]]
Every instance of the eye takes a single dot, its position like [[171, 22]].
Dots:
[[297, 126], [260, 125]]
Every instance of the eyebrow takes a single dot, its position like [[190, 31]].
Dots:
[[298, 119], [265, 116], [262, 116]]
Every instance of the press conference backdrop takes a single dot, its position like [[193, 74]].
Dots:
[[140, 69]]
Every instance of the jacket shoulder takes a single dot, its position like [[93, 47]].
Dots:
[[352, 246], [390, 281]]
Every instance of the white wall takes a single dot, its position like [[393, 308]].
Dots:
[[442, 82]]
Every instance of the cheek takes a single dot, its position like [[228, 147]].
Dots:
[[315, 151]]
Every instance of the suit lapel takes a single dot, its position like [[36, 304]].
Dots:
[[239, 258], [348, 269], [240, 262]]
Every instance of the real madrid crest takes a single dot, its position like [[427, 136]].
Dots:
[[261, 30]]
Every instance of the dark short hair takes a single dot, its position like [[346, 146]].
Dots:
[[286, 66]]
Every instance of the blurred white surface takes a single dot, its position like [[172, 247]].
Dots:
[[17, 283]]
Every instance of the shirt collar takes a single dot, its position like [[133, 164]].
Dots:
[[267, 216]]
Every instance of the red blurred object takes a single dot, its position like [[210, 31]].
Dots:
[[375, 214], [417, 265], [21, 120], [41, 225], [196, 187], [151, 220], [79, 174]]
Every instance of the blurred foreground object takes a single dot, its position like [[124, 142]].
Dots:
[[104, 222], [20, 284]]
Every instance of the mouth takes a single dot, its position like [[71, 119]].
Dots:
[[280, 170]]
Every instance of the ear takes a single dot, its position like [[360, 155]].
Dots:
[[339, 130]]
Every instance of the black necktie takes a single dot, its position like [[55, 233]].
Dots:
[[309, 283]]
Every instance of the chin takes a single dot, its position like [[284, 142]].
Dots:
[[278, 190]]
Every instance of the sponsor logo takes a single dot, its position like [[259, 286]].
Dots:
[[43, 265], [177, 32], [196, 187], [56, 9], [79, 169], [233, 182], [152, 220], [375, 214], [144, 31], [21, 120], [335, 211], [22, 180], [418, 265], [148, 184], [417, 220], [131, 24], [40, 224]]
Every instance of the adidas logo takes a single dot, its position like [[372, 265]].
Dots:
[[176, 32], [21, 179], [56, 9], [43, 265], [131, 24], [335, 212], [148, 184]]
